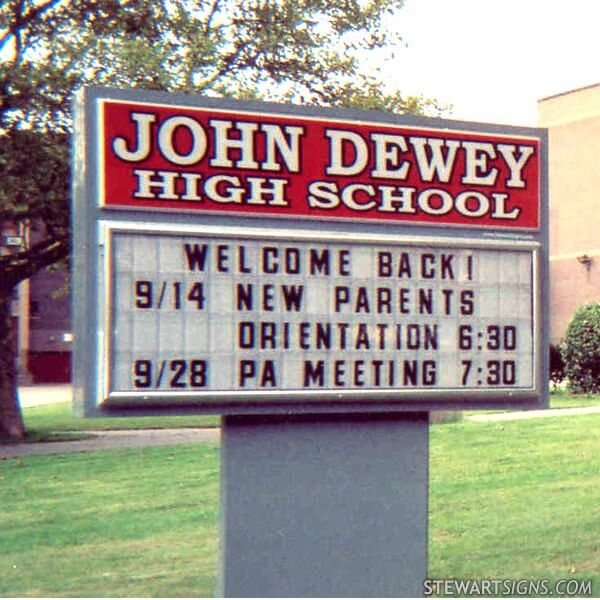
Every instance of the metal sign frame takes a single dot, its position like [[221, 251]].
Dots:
[[95, 222]]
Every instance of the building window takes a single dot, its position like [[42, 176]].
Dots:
[[34, 309]]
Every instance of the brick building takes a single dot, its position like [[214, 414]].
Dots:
[[49, 353], [573, 122], [41, 311]]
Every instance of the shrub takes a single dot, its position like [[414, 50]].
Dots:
[[581, 350], [557, 365]]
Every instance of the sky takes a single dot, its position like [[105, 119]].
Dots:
[[494, 59]]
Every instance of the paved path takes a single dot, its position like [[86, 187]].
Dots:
[[534, 414], [109, 440], [36, 395], [105, 440]]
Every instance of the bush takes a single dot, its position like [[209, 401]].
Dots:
[[557, 365], [581, 350]]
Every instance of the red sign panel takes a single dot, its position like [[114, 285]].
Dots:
[[173, 158]]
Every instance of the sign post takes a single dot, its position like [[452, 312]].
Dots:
[[322, 279], [325, 506]]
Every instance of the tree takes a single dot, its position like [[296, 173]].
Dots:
[[303, 51]]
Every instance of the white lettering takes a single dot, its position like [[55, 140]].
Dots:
[[387, 160], [397, 199], [142, 139], [323, 194], [166, 134], [191, 186], [476, 163], [232, 193], [223, 144], [163, 180], [499, 212], [436, 164], [515, 165], [289, 149], [463, 206], [349, 196], [337, 140], [425, 202], [271, 188]]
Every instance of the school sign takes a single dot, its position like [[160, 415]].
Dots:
[[322, 279], [232, 256]]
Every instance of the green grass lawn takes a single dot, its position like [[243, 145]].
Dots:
[[514, 500], [56, 421], [562, 399], [47, 421], [114, 523], [558, 399]]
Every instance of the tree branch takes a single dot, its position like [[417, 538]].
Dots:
[[226, 65], [22, 265], [211, 14], [20, 20]]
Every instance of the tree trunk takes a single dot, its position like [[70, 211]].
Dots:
[[11, 419]]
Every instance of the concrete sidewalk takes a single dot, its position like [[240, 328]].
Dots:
[[518, 415], [37, 395], [129, 438], [112, 440]]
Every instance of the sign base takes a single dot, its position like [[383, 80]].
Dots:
[[324, 505]]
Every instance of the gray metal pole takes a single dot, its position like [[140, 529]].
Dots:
[[324, 505]]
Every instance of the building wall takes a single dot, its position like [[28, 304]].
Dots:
[[573, 121], [49, 327]]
